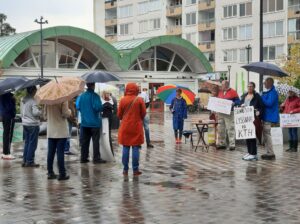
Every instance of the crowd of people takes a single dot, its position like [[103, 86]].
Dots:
[[93, 116]]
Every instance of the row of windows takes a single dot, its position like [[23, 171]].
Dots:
[[143, 8], [270, 53], [144, 26]]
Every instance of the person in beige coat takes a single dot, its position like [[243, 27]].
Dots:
[[57, 134]]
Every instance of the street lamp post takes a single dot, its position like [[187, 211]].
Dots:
[[261, 42], [41, 22], [248, 48], [229, 68]]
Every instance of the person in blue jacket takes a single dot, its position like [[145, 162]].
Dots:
[[270, 116], [178, 108], [90, 107]]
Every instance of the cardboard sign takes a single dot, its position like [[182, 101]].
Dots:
[[290, 120], [17, 132], [277, 136], [219, 105], [243, 121]]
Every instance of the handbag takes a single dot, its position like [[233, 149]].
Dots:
[[129, 107]]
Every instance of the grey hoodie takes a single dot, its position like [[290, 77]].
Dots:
[[30, 112]]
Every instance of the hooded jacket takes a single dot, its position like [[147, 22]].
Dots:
[[291, 105], [131, 129], [30, 112], [270, 101]]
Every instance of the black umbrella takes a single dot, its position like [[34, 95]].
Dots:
[[11, 84], [264, 68], [99, 76], [34, 82]]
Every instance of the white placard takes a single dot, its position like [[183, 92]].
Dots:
[[290, 120], [243, 121], [219, 105], [276, 136]]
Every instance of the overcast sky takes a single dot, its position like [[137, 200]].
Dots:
[[21, 13]]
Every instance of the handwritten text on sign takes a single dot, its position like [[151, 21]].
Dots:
[[243, 121], [289, 120], [219, 105]]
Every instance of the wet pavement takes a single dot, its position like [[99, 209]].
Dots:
[[178, 185]]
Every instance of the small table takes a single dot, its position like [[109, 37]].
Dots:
[[202, 127]]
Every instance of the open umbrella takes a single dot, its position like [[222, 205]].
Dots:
[[265, 68], [283, 89], [11, 84], [60, 90], [168, 92], [99, 76], [34, 82]]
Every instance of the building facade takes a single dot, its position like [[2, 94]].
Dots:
[[226, 32]]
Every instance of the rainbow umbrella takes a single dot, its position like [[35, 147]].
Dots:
[[168, 92]]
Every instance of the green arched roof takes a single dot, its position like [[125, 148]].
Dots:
[[119, 55], [12, 46]]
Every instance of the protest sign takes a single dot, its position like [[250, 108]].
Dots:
[[243, 121], [17, 133], [219, 105], [290, 120], [276, 136]]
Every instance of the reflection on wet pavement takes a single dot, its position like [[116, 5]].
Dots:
[[178, 185]]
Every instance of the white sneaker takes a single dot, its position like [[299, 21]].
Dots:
[[8, 157], [245, 156], [251, 158]]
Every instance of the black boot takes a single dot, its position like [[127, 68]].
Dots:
[[290, 146], [295, 146]]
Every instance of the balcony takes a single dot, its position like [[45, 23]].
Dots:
[[174, 30], [206, 46], [206, 5], [111, 36], [174, 11], [207, 25], [110, 4], [111, 22], [294, 11], [293, 37]]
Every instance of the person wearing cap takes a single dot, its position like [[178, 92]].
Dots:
[[30, 114], [292, 106]]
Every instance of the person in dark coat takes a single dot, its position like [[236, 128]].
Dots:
[[252, 98], [107, 112], [7, 113], [178, 108]]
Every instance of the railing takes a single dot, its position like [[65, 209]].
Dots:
[[174, 10], [176, 29], [207, 45], [207, 2], [110, 34]]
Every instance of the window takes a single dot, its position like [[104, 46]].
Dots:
[[191, 18], [230, 55], [230, 11], [246, 9], [245, 32], [273, 29], [272, 5], [190, 2], [126, 29], [143, 7], [125, 11], [191, 37], [154, 24], [294, 25], [273, 52], [154, 5], [244, 55], [230, 33], [178, 22], [143, 26]]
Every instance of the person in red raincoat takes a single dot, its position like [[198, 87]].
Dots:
[[292, 106], [131, 112]]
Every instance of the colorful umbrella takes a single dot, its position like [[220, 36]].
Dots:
[[168, 92], [283, 89]]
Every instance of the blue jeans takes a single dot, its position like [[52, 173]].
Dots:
[[56, 145], [293, 134], [68, 144], [146, 129], [31, 136], [135, 157]]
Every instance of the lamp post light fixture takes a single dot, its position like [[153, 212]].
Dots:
[[229, 68], [41, 21], [248, 48]]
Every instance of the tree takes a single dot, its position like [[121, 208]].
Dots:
[[5, 28], [291, 65]]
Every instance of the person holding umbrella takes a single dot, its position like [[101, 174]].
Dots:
[[7, 113], [30, 113], [178, 108], [252, 98], [270, 116], [291, 106]]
